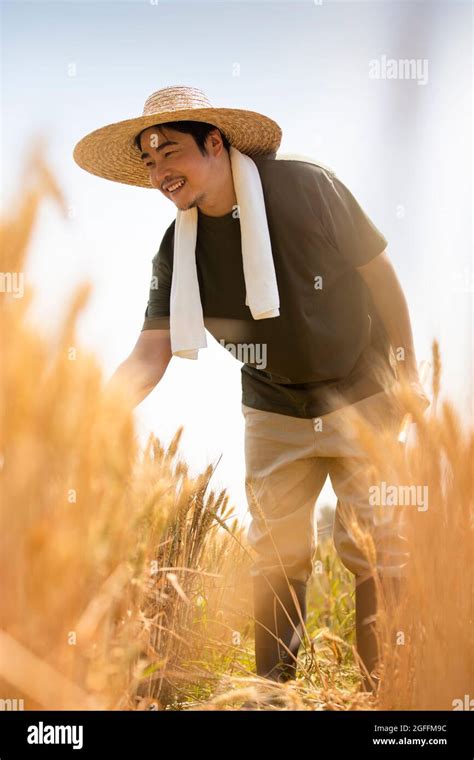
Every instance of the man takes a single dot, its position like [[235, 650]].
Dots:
[[329, 350]]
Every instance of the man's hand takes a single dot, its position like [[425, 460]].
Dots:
[[417, 388], [410, 375]]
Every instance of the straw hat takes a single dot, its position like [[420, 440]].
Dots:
[[110, 151]]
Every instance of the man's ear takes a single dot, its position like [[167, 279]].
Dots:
[[215, 139]]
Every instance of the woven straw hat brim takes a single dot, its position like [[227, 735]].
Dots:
[[110, 152]]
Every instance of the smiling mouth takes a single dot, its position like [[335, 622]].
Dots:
[[176, 187]]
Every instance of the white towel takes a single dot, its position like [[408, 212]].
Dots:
[[186, 317]]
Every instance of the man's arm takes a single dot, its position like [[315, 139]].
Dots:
[[387, 294], [144, 367], [390, 302]]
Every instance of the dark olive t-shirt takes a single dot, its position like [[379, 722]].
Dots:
[[327, 346]]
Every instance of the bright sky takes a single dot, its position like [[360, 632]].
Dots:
[[403, 147]]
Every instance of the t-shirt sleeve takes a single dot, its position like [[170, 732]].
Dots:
[[349, 228], [157, 312]]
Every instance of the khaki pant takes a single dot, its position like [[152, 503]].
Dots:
[[287, 461]]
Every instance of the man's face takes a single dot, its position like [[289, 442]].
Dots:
[[171, 157]]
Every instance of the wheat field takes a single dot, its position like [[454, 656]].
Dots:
[[126, 581]]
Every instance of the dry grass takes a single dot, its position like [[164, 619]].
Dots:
[[90, 611], [430, 643], [126, 581], [426, 636]]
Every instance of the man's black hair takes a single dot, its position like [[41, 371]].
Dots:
[[198, 129]]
